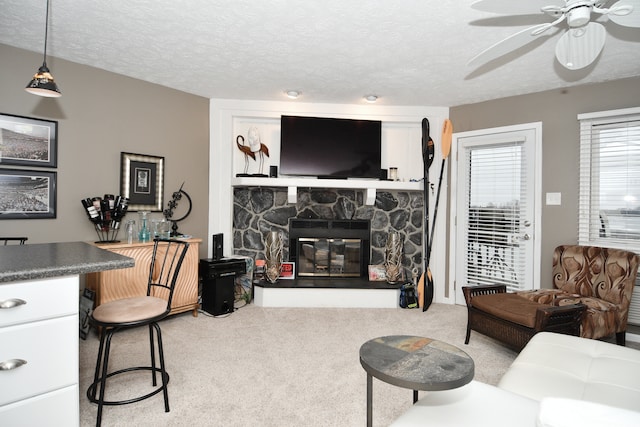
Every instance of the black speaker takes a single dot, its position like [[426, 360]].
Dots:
[[218, 246], [217, 295], [273, 171], [218, 284]]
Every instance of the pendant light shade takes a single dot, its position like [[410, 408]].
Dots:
[[43, 83]]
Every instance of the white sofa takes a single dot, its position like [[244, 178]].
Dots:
[[557, 380]]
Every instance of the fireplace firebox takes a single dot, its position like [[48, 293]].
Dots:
[[329, 248]]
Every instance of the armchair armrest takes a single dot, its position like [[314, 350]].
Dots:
[[558, 319], [472, 291]]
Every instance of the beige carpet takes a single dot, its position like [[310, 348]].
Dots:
[[276, 366]]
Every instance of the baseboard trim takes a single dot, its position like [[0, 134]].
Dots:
[[326, 297]]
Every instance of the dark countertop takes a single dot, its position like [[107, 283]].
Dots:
[[38, 261]]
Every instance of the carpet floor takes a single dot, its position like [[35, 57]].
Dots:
[[275, 366]]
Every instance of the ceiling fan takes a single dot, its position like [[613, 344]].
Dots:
[[582, 41]]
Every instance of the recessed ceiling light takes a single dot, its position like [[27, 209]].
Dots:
[[293, 94], [371, 98]]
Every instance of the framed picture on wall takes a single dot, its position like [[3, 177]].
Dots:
[[27, 194], [25, 141], [142, 181]]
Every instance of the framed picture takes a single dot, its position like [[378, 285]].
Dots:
[[28, 142], [27, 194], [288, 270], [377, 273], [142, 181]]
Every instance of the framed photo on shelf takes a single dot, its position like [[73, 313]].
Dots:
[[377, 273], [25, 141], [142, 181], [288, 270], [27, 194]]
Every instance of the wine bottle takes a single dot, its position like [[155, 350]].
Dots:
[[91, 211]]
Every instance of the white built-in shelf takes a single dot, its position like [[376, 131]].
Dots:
[[326, 183], [292, 185]]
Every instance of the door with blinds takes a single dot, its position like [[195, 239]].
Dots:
[[496, 213]]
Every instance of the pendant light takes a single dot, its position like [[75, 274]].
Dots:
[[42, 83]]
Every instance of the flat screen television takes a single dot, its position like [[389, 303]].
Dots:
[[330, 148]]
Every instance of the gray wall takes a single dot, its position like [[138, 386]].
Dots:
[[101, 114], [557, 110]]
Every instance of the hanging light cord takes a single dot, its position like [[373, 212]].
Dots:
[[46, 33]]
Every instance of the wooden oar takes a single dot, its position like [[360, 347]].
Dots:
[[447, 131]]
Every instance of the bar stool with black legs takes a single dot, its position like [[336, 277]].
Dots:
[[134, 312]]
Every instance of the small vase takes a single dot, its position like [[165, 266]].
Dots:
[[273, 256], [144, 234], [393, 253]]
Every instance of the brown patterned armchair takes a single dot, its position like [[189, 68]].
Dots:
[[591, 298], [600, 278]]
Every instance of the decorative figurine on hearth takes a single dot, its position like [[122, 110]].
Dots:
[[255, 147]]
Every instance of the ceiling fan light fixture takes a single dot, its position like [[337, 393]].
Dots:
[[579, 16], [42, 83]]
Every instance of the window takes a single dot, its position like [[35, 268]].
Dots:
[[610, 185], [609, 211]]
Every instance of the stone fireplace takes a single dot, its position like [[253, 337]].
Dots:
[[326, 248], [338, 227]]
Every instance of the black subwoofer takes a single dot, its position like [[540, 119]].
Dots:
[[218, 284]]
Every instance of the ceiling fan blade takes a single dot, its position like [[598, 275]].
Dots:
[[579, 47], [509, 44], [631, 19], [512, 7]]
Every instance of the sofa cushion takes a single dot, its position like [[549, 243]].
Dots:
[[560, 412], [599, 319], [544, 296], [555, 365], [508, 306], [475, 404]]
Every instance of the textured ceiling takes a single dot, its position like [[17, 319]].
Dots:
[[408, 52]]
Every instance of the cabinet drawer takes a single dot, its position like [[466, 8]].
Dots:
[[58, 408], [50, 349], [44, 299]]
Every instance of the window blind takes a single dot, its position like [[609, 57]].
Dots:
[[609, 199], [493, 191]]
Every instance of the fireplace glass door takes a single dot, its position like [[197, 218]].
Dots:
[[329, 257]]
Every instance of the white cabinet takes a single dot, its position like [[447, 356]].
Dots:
[[39, 326]]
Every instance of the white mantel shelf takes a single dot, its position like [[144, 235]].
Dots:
[[292, 184], [326, 183]]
